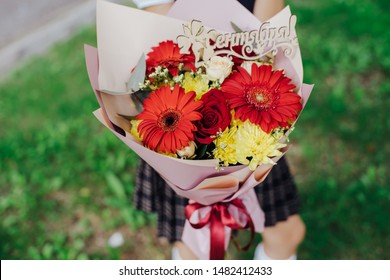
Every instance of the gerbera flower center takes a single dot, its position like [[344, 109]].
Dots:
[[169, 120], [259, 96]]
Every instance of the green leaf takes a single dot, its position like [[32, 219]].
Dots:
[[138, 75], [202, 149], [138, 98], [115, 92], [235, 27], [116, 186]]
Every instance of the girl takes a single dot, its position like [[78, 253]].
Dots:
[[277, 195]]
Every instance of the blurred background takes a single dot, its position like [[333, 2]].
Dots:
[[66, 183]]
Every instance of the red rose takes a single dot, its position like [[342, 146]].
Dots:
[[216, 116]]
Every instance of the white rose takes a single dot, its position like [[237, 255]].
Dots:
[[187, 152], [218, 68], [247, 65]]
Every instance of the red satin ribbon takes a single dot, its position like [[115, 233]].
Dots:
[[219, 217]]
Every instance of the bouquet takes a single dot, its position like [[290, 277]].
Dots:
[[209, 110]]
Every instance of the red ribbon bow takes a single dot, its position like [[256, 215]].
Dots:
[[219, 217]]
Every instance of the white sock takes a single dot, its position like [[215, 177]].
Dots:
[[176, 254], [261, 255]]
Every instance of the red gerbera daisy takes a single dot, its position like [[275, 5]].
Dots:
[[168, 119], [266, 98], [167, 54]]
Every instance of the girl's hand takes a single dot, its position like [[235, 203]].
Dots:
[[265, 9]]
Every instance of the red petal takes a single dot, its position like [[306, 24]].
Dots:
[[287, 99], [275, 115], [264, 127], [267, 72], [170, 97], [193, 116], [244, 75], [273, 124], [255, 72], [146, 115], [275, 78], [180, 135], [286, 111], [265, 116], [173, 70]]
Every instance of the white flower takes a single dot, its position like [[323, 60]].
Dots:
[[187, 152], [247, 65], [116, 240], [218, 68]]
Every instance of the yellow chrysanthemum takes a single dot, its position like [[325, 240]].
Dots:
[[134, 129], [225, 146], [255, 144], [195, 82], [234, 121]]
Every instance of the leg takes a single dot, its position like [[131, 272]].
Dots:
[[181, 251], [282, 240]]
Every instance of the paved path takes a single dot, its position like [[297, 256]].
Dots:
[[29, 27]]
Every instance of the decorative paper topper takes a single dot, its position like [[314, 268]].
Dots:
[[247, 45]]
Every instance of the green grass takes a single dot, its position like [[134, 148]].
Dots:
[[342, 134], [66, 183], [64, 179]]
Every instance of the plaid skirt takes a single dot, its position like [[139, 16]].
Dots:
[[277, 195]]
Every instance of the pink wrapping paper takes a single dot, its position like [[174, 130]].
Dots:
[[121, 41]]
